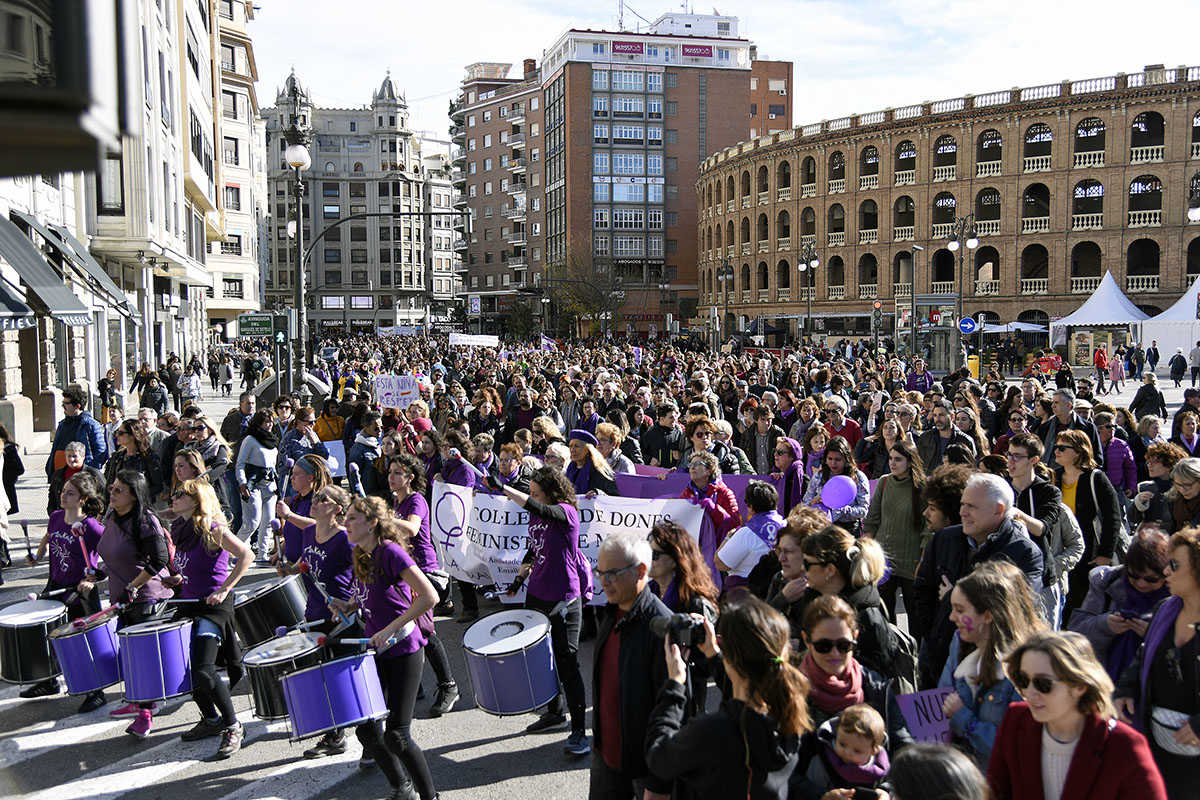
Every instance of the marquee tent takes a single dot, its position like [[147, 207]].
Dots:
[[1108, 306], [1177, 326]]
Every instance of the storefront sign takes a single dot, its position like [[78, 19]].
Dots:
[[627, 48], [697, 50]]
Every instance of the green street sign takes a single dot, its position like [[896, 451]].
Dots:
[[254, 325]]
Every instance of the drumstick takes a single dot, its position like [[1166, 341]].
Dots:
[[322, 640], [282, 630], [306, 569], [184, 600], [34, 596], [77, 529], [83, 622], [287, 475], [454, 452]]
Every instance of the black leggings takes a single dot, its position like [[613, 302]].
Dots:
[[208, 690], [564, 639], [435, 651], [393, 747]]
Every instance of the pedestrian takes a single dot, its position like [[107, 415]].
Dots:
[[13, 468], [254, 472], [77, 425], [1152, 355], [1194, 361]]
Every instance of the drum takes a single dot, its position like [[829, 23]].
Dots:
[[333, 695], [268, 662], [262, 607], [88, 656], [25, 652], [511, 662], [156, 659]]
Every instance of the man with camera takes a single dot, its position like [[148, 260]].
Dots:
[[627, 674]]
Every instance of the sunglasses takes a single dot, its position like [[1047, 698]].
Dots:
[[1152, 577], [1043, 684], [1058, 448], [844, 646], [810, 564], [783, 452]]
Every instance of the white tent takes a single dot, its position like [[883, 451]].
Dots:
[[1175, 327], [1108, 305], [1013, 327]]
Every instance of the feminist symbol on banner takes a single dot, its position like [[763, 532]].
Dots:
[[449, 510]]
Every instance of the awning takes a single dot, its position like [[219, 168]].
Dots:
[[20, 253], [14, 314], [92, 267]]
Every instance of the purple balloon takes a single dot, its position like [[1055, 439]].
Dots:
[[838, 492]]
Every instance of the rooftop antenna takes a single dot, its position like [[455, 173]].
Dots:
[[620, 15]]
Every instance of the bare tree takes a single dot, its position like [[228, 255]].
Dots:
[[585, 291]]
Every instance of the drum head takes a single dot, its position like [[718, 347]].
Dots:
[[258, 589], [153, 626], [282, 648], [30, 612], [506, 632], [71, 629]]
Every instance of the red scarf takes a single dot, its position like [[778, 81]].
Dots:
[[832, 693]]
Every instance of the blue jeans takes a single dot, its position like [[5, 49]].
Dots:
[[235, 499]]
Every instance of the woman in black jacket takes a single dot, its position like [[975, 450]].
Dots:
[[1149, 400], [13, 468], [748, 746], [132, 452]]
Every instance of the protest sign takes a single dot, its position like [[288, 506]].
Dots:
[[474, 340], [337, 458], [396, 391], [922, 712]]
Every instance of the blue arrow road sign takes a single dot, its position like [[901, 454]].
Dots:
[[967, 325]]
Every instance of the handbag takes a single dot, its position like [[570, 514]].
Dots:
[[1164, 722]]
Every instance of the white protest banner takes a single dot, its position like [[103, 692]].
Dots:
[[396, 391], [474, 340], [481, 538], [385, 330], [337, 458]]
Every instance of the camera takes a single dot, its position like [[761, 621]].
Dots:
[[680, 629]]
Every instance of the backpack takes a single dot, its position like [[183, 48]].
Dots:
[[583, 570], [903, 662]]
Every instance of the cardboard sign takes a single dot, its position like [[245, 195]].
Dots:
[[396, 391], [922, 713], [337, 458]]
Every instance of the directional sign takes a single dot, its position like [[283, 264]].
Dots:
[[254, 325], [967, 325]]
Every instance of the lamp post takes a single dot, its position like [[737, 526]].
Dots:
[[664, 302], [725, 278], [809, 261], [964, 233], [297, 157], [912, 312], [545, 315]]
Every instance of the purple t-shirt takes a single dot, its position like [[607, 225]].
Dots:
[[421, 545], [203, 572], [386, 597], [293, 537], [330, 564], [458, 473], [67, 562], [555, 546]]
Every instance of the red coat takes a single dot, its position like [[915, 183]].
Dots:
[[724, 515], [1101, 359], [1112, 762]]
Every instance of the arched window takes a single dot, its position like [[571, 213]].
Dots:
[[808, 222], [358, 166], [763, 275], [906, 156], [902, 271], [1146, 131], [1035, 262], [808, 170], [1195, 130], [837, 166], [729, 196], [1085, 260], [868, 161], [708, 239], [329, 167], [763, 183], [868, 215], [1035, 201], [1145, 201], [944, 208], [718, 193], [783, 225], [945, 151], [1193, 258], [868, 269], [1089, 136], [764, 229], [746, 183], [783, 175], [708, 196], [837, 218], [836, 272], [717, 238], [987, 266], [904, 214], [1088, 199], [745, 286], [745, 230], [729, 240], [989, 148], [943, 269], [1039, 143], [783, 275], [1143, 258], [987, 205]]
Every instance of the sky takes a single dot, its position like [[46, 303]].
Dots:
[[849, 56]]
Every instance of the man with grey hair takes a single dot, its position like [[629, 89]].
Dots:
[[74, 454], [627, 672], [1065, 419], [838, 424]]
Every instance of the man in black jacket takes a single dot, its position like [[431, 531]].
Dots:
[[628, 670], [932, 444], [1038, 508], [988, 531], [1065, 419], [664, 443]]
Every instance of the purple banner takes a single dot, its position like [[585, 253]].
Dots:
[[628, 48], [922, 712], [648, 487], [697, 50]]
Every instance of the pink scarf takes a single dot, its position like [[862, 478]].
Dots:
[[832, 693]]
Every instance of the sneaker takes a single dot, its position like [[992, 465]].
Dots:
[[405, 791], [43, 689], [577, 744], [93, 701], [444, 700], [331, 744], [231, 740], [546, 722], [204, 729], [130, 710], [140, 727]]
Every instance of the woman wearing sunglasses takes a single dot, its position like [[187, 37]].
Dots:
[[1159, 693], [1062, 741], [133, 452], [1087, 491]]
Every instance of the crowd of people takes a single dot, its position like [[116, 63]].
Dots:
[[1028, 549]]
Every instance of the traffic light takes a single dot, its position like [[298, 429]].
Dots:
[[279, 328], [877, 314]]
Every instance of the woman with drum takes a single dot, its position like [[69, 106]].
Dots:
[[406, 479], [71, 537], [392, 593], [551, 567], [203, 547], [135, 553], [310, 475]]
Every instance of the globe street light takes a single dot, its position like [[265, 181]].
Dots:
[[809, 261], [963, 233], [297, 157]]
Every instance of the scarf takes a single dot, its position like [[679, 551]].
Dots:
[[1138, 604], [580, 477], [766, 526], [833, 693], [869, 774], [267, 439]]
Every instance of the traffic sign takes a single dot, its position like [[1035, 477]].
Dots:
[[254, 325], [967, 325]]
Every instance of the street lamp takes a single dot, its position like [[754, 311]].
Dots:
[[297, 157], [545, 314], [964, 233], [725, 278], [912, 311], [809, 261]]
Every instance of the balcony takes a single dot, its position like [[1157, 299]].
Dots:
[[764, 246], [516, 237], [784, 294], [870, 236], [745, 295], [1087, 222], [460, 243], [747, 202], [729, 206], [946, 173], [1035, 225], [868, 181], [1141, 283], [764, 295], [517, 262], [783, 193], [902, 290], [837, 238], [1037, 163], [987, 287], [730, 250], [516, 117], [1035, 285], [808, 238], [783, 243], [807, 293], [903, 233], [987, 227], [906, 177], [808, 190], [515, 212], [837, 186], [1091, 158], [943, 230], [837, 292], [942, 287], [746, 248], [867, 291], [1085, 285], [764, 198], [987, 169], [1143, 155], [515, 140], [1145, 219], [1195, 149], [517, 165], [516, 187]]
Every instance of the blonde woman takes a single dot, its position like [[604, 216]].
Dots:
[[587, 470], [203, 548]]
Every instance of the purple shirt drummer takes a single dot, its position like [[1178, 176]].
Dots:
[[203, 572], [329, 563], [67, 563], [421, 545], [294, 536], [554, 545], [386, 597]]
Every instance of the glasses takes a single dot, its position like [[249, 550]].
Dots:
[[1016, 418], [1011, 456], [1058, 448], [609, 575], [1152, 577], [1043, 684], [703, 434], [844, 646], [783, 452], [810, 564]]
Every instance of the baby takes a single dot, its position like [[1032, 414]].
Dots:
[[852, 754]]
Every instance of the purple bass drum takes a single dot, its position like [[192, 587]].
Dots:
[[510, 661], [156, 660], [335, 694], [88, 656]]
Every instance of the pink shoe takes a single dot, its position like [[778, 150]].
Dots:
[[127, 710], [140, 727]]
